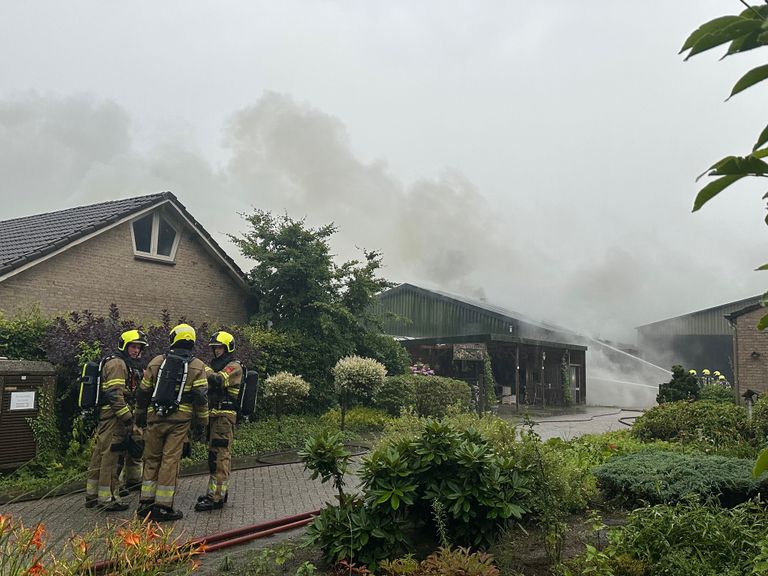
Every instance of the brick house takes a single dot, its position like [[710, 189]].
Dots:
[[145, 254], [750, 350]]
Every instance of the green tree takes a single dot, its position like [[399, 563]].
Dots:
[[743, 32], [301, 291]]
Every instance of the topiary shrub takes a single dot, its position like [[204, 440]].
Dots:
[[683, 386], [659, 477], [717, 393], [357, 378], [286, 392], [436, 394], [707, 423], [396, 393]]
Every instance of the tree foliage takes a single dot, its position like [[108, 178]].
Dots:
[[743, 32], [324, 307]]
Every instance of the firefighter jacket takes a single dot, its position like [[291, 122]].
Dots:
[[117, 379], [194, 400], [224, 386]]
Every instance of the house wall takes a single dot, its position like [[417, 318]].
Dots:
[[103, 270], [751, 372]]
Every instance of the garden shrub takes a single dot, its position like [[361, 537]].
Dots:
[[358, 419], [285, 392], [659, 477], [718, 393], [706, 423], [396, 393], [357, 379], [436, 394], [759, 422], [682, 386], [445, 562], [429, 465], [692, 538], [21, 335]]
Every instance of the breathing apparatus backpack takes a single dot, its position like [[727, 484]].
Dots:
[[248, 395], [171, 379], [87, 388]]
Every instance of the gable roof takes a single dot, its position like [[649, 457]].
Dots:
[[31, 239]]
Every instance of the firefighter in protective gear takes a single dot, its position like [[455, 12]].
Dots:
[[168, 427], [116, 421], [224, 380]]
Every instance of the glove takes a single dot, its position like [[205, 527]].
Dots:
[[215, 380], [141, 418], [200, 434], [186, 450]]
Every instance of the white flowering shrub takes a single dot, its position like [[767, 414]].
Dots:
[[358, 377], [286, 390]]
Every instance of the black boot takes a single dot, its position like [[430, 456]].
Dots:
[[207, 504], [161, 513], [90, 501], [145, 507], [114, 506]]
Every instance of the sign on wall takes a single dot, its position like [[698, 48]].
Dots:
[[23, 400], [470, 352]]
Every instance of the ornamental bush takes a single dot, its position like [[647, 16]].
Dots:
[[706, 423], [358, 377], [396, 393], [682, 386], [285, 391], [21, 335], [658, 477], [436, 394], [759, 421], [718, 393]]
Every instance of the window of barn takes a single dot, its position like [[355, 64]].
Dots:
[[154, 238]]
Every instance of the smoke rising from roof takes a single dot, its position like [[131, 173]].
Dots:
[[548, 259]]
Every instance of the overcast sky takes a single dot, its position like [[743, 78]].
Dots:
[[539, 154]]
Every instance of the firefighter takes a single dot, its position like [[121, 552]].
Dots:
[[173, 398], [224, 380], [116, 422]]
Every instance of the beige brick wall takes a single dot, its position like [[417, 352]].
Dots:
[[751, 372], [104, 269]]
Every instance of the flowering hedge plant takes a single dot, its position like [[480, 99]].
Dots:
[[286, 391], [358, 377], [422, 369]]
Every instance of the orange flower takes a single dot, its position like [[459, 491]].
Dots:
[[4, 519], [37, 537], [151, 532], [129, 537], [81, 546], [37, 568]]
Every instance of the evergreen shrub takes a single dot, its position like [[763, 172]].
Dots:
[[397, 393], [706, 423], [659, 477], [718, 393], [436, 394]]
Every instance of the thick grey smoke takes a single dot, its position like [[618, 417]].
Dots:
[[548, 259]]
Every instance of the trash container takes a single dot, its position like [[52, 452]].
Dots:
[[22, 382]]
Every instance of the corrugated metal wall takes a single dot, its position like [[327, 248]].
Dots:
[[437, 316], [710, 322]]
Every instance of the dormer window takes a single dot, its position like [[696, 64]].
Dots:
[[155, 237]]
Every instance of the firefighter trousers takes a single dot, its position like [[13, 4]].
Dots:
[[102, 483], [129, 468], [163, 444], [222, 431]]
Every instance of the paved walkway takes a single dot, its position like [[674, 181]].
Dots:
[[259, 494]]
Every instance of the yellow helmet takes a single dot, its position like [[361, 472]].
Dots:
[[692, 372], [222, 338], [181, 333], [705, 372], [131, 337], [721, 377], [716, 373]]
